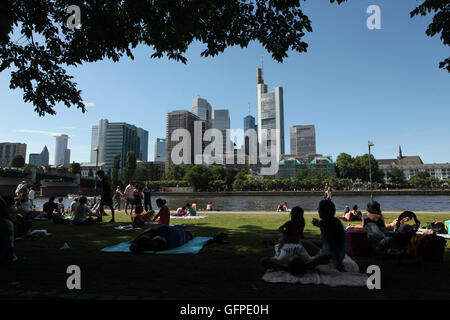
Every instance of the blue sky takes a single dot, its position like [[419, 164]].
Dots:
[[353, 84]]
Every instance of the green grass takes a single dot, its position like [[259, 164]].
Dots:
[[228, 271]]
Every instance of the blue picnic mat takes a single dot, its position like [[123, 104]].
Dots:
[[192, 247]]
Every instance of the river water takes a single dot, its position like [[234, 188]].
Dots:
[[307, 202]]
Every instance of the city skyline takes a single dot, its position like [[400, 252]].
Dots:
[[365, 90]]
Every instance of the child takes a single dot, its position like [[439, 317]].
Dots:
[[332, 234], [293, 229], [190, 211], [136, 218]]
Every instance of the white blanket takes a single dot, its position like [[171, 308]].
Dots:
[[322, 274]]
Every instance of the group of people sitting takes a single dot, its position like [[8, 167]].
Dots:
[[351, 215], [282, 207], [296, 254]]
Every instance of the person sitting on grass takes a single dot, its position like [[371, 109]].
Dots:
[[292, 231], [352, 215], [285, 207], [73, 206], [190, 211], [83, 215], [161, 237], [164, 212], [6, 235], [404, 217], [61, 209], [332, 234], [375, 225], [138, 218], [280, 207], [209, 206], [48, 209]]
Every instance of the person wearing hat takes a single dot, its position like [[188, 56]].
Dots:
[[374, 223]]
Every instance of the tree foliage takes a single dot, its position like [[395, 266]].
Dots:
[[36, 43], [358, 167], [75, 168], [17, 161], [130, 167], [440, 24]]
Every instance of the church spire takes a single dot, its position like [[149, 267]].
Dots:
[[400, 156]]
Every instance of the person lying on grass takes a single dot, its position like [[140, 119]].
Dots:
[[164, 212], [138, 218], [161, 237]]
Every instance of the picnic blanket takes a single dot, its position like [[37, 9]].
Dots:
[[192, 247], [127, 227], [188, 217], [322, 274]]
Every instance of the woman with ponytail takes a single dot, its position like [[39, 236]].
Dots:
[[164, 212]]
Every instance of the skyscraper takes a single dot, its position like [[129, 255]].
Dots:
[[10, 149], [160, 150], [303, 141], [221, 121], [249, 120], [180, 119], [39, 159], [61, 150], [113, 138], [143, 146], [270, 113], [202, 109]]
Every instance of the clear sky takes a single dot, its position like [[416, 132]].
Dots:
[[353, 84]]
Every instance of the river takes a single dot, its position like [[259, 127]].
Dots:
[[307, 202]]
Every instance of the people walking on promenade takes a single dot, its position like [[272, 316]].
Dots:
[[118, 195], [106, 199], [147, 191], [129, 196]]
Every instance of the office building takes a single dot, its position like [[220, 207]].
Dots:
[[113, 138], [202, 109], [10, 149], [160, 150], [143, 144], [303, 141], [62, 155], [39, 159], [270, 114], [180, 119], [221, 121]]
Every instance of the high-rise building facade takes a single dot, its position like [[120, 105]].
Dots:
[[113, 138], [143, 144], [39, 159], [270, 114], [202, 109], [180, 119], [249, 123], [303, 141], [160, 150], [221, 121], [62, 155], [8, 150]]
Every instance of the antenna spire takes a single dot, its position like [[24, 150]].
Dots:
[[249, 108]]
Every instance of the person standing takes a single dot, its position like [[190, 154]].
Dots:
[[118, 195], [32, 196], [147, 191], [327, 194], [129, 196], [106, 199]]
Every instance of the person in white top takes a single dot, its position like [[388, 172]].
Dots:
[[32, 196], [73, 207], [129, 196]]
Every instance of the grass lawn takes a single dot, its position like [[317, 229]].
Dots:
[[228, 271]]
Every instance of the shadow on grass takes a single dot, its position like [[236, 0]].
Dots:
[[219, 271]]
